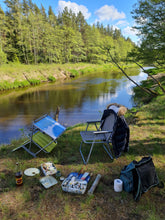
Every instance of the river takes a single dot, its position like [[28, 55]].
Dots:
[[80, 99]]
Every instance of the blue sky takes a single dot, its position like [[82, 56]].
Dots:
[[116, 13]]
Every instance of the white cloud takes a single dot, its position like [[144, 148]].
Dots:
[[109, 13], [132, 34], [115, 27], [122, 23], [129, 31], [74, 7], [103, 98]]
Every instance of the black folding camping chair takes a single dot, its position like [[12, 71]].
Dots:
[[110, 129]]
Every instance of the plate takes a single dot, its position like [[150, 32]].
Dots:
[[31, 171]]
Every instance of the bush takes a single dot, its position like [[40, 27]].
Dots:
[[15, 59], [3, 57], [20, 84], [74, 73], [5, 85], [34, 81], [51, 78], [155, 71]]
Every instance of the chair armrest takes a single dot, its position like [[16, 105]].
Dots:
[[92, 122], [102, 132]]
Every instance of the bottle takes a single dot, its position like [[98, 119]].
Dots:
[[18, 175]]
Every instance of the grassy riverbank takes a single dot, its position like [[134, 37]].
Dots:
[[32, 201], [13, 76]]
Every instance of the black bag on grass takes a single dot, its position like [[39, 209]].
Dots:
[[142, 176]]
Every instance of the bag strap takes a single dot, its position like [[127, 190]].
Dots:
[[137, 192], [160, 185]]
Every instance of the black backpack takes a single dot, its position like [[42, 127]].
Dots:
[[139, 177]]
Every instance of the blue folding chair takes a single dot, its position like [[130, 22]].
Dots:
[[45, 132]]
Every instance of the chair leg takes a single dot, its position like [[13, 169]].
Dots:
[[86, 161], [82, 153], [90, 152], [108, 150]]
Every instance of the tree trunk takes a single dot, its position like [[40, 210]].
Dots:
[[144, 89], [158, 83]]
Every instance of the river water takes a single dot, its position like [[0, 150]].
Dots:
[[80, 99]]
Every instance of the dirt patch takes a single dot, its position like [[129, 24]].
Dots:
[[5, 177], [157, 76], [35, 192], [6, 78], [4, 163]]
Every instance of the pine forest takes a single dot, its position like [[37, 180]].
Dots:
[[30, 35]]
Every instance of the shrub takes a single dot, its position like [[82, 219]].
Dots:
[[34, 81], [20, 84], [51, 78], [155, 71], [3, 57], [74, 73], [15, 59]]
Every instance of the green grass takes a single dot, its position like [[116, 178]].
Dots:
[[155, 71], [14, 76], [74, 73], [32, 201]]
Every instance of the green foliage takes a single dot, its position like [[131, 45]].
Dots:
[[45, 72], [155, 71], [74, 72], [32, 36], [19, 84], [3, 57], [5, 85], [15, 58], [51, 78], [34, 82], [149, 16], [139, 96]]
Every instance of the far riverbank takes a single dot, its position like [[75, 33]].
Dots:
[[14, 76]]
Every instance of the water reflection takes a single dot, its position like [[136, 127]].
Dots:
[[80, 100]]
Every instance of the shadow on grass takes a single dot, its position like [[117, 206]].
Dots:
[[66, 154], [67, 150], [153, 146], [105, 200], [150, 123]]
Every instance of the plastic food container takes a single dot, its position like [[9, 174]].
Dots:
[[48, 168], [74, 184], [48, 181]]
